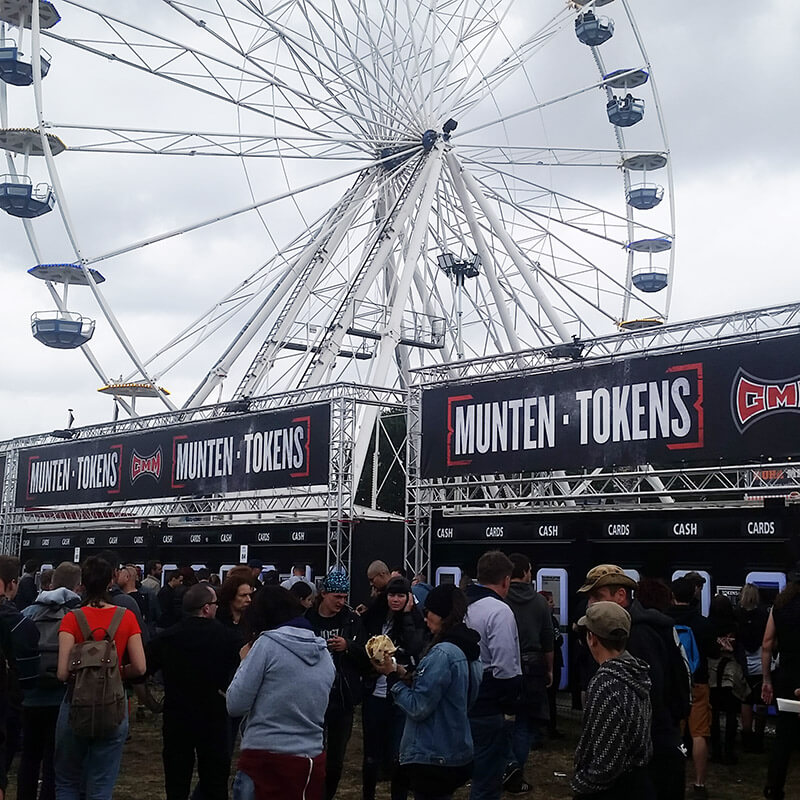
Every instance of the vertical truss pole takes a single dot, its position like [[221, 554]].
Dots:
[[10, 533], [341, 484], [417, 539]]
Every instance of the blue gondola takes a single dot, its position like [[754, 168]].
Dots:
[[650, 279], [645, 196], [625, 111], [20, 198], [61, 330], [20, 13], [592, 30], [16, 70]]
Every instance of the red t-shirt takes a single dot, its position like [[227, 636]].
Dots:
[[101, 618]]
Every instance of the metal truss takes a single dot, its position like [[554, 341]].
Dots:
[[334, 502], [736, 327]]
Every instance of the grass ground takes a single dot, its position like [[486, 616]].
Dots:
[[548, 770]]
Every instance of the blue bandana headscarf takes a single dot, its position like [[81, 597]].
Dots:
[[336, 581]]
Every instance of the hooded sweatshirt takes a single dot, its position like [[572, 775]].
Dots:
[[283, 686], [616, 725], [534, 621]]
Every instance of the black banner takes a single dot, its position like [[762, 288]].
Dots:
[[234, 454], [733, 403], [677, 526]]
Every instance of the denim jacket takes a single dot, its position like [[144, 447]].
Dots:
[[445, 686]]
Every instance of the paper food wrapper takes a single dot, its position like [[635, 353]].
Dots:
[[379, 646]]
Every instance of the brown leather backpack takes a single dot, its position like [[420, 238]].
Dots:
[[97, 696]]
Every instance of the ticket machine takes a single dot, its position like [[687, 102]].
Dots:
[[555, 581], [770, 583], [448, 575]]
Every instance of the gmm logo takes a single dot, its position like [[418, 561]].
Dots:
[[145, 465], [754, 398]]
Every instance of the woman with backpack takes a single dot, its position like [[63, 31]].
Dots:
[[93, 719]]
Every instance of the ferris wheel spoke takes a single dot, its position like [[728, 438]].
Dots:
[[225, 216], [300, 51], [589, 266], [572, 212], [508, 67], [539, 106]]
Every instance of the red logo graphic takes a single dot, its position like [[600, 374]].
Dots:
[[754, 398], [145, 465]]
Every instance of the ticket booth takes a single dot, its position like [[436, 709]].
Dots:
[[556, 581]]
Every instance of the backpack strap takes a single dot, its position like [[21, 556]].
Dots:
[[116, 620], [83, 624]]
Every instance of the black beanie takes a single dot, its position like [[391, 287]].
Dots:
[[440, 599], [398, 585]]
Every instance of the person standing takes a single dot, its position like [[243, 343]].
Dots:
[[19, 663], [436, 749], [235, 597], [782, 638], [492, 618], [41, 704], [535, 631], [615, 744], [168, 602], [685, 611], [197, 658], [282, 686], [394, 614], [26, 587], [335, 622], [752, 616], [653, 640], [152, 581], [88, 766]]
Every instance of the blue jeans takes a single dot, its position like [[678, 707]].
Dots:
[[86, 767], [524, 733], [491, 746]]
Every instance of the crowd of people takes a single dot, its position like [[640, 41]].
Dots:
[[456, 684]]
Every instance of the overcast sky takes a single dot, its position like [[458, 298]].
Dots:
[[727, 77]]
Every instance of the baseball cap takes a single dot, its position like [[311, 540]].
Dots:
[[606, 575], [607, 620], [255, 563]]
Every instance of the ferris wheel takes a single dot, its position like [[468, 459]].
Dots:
[[310, 191]]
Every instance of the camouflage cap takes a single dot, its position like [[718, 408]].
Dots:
[[606, 575], [607, 620]]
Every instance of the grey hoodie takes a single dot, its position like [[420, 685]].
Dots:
[[616, 725], [283, 686]]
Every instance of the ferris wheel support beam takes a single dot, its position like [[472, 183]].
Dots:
[[220, 370], [313, 268], [485, 254], [367, 273], [510, 246], [65, 216], [390, 335]]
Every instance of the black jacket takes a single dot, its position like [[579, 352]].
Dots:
[[352, 663], [198, 658], [703, 631], [534, 621], [407, 630], [652, 640], [26, 591]]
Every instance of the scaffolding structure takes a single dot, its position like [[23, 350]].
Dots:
[[334, 503], [633, 487]]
